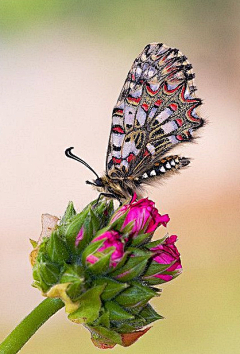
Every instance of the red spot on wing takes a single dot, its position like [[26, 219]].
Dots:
[[167, 90], [145, 107], [131, 157], [179, 137], [158, 103], [119, 112], [173, 106], [189, 113], [133, 99], [179, 122], [118, 130], [116, 161], [150, 91], [146, 153], [186, 99]]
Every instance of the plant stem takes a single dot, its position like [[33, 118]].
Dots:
[[29, 325]]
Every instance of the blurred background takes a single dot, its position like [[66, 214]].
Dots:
[[62, 66]]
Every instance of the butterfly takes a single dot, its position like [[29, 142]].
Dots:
[[157, 109]]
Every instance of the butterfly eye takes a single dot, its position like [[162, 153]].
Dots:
[[99, 182]]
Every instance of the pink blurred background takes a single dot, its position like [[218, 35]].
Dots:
[[62, 66]]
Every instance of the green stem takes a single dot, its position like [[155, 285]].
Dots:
[[23, 332]]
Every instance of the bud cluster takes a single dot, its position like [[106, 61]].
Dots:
[[105, 267]]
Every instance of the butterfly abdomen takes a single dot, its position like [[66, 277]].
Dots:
[[165, 165]]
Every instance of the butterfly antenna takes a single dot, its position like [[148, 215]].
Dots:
[[69, 154]]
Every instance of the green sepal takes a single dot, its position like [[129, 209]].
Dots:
[[140, 239], [75, 290], [136, 295], [120, 263], [104, 211], [128, 228], [104, 336], [103, 320], [149, 314], [144, 318], [116, 312], [133, 267], [73, 228], [69, 213], [45, 273], [157, 268], [117, 224], [156, 281], [56, 249], [90, 306], [156, 243], [112, 288], [72, 273], [90, 249], [33, 243], [102, 265]]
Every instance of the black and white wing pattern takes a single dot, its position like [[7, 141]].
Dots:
[[156, 110]]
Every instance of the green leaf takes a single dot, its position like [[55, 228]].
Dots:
[[116, 312], [56, 249], [90, 305], [135, 295], [112, 288]]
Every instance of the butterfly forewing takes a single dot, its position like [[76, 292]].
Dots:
[[156, 109]]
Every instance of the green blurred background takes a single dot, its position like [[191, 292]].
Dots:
[[62, 65]]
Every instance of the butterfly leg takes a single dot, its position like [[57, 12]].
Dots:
[[108, 195]]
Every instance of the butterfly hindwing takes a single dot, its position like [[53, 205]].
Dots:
[[156, 110]]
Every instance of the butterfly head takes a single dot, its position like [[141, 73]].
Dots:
[[98, 182]]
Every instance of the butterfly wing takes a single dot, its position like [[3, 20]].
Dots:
[[156, 110]]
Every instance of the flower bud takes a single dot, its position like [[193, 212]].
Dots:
[[111, 244], [143, 215], [166, 263], [103, 266]]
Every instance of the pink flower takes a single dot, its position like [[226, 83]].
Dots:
[[113, 241], [144, 215], [167, 253]]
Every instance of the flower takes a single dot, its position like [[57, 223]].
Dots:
[[167, 253], [143, 214], [112, 241], [105, 268]]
